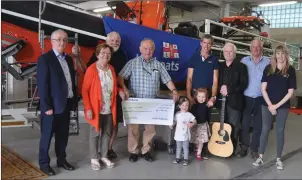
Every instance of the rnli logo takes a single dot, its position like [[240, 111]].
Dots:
[[170, 51]]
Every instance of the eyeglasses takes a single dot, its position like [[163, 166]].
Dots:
[[104, 53], [61, 40]]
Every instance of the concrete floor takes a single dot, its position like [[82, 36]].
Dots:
[[25, 142]]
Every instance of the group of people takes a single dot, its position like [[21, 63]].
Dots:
[[110, 79], [256, 89]]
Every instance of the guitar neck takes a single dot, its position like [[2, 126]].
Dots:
[[222, 112]]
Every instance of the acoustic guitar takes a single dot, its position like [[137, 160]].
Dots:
[[220, 143]]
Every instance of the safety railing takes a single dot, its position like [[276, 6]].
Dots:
[[294, 51]]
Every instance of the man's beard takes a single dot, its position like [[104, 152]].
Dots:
[[115, 48]]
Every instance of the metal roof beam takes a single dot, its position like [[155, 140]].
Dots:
[[180, 5]]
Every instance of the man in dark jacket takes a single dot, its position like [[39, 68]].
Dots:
[[232, 81], [57, 91]]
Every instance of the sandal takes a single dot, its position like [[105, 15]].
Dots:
[[95, 166]]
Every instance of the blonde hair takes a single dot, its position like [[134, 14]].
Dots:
[[273, 67], [201, 90]]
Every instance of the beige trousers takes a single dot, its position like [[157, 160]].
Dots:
[[133, 138]]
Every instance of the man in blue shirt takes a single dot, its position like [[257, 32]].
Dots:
[[203, 73], [256, 64]]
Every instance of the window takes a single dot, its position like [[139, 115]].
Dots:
[[282, 16]]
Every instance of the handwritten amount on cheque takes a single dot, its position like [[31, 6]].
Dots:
[[154, 118], [136, 108]]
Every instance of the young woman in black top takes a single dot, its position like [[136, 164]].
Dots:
[[278, 84], [200, 132]]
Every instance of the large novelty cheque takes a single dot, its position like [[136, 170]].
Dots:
[[148, 111]]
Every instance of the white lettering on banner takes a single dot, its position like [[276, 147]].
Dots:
[[171, 66], [148, 111]]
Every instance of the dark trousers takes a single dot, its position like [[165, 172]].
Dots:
[[119, 110], [58, 124], [233, 117], [251, 116]]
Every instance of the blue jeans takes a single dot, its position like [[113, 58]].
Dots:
[[182, 145]]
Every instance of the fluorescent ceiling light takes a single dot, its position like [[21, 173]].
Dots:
[[277, 4], [102, 9]]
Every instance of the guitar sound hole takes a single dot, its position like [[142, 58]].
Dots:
[[224, 134], [221, 132]]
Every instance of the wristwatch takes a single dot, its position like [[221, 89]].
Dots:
[[214, 97]]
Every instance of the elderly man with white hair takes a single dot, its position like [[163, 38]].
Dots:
[[118, 61], [152, 72], [232, 81]]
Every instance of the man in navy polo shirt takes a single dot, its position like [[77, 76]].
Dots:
[[203, 70], [203, 73], [256, 64]]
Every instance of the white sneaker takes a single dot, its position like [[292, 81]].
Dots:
[[107, 162], [279, 164], [258, 162], [95, 165]]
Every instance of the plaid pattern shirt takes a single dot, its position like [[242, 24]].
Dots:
[[145, 77]]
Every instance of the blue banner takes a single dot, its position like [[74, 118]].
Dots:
[[173, 51]]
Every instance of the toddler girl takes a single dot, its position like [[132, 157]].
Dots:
[[201, 132], [184, 121]]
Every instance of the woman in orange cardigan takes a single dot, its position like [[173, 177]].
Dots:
[[99, 93]]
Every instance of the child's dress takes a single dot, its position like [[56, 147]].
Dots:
[[200, 132]]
